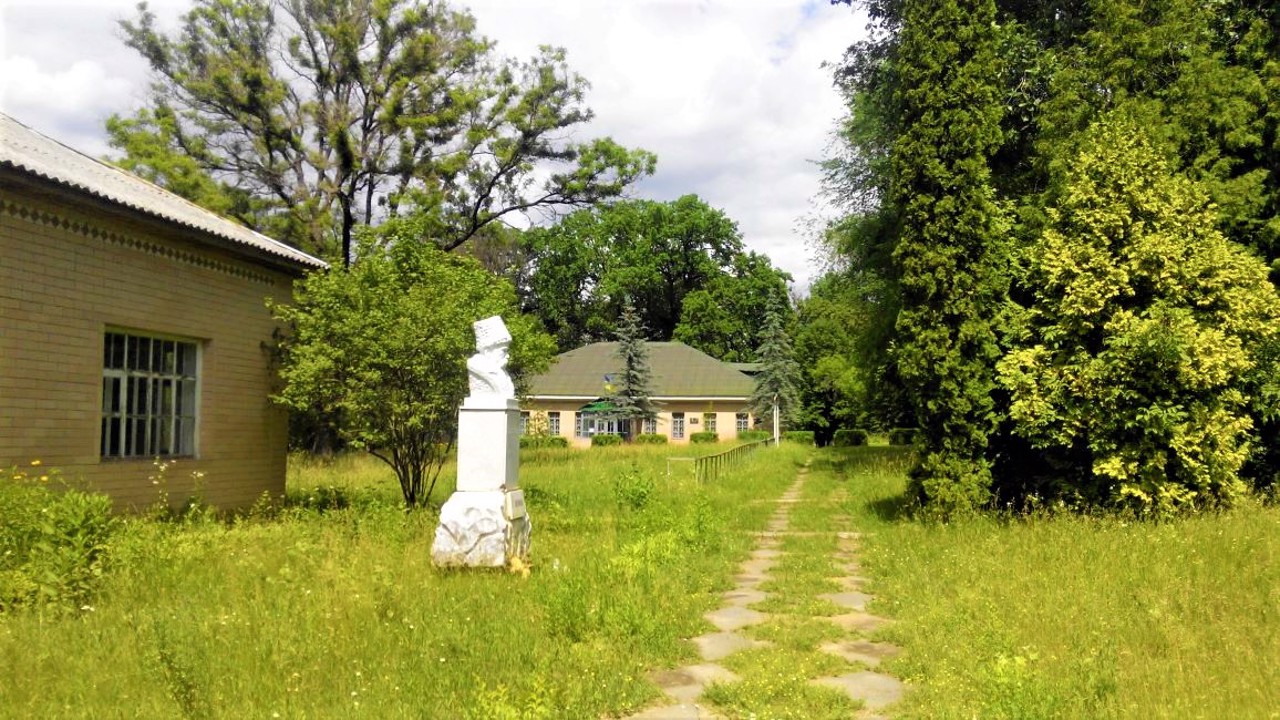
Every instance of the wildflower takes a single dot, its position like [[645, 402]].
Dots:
[[35, 463], [44, 478]]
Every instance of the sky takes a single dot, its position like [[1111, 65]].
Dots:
[[732, 95]]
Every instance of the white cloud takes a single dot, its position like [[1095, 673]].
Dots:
[[730, 94]]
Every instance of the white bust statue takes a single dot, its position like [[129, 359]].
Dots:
[[486, 370]]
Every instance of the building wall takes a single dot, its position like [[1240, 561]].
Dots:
[[70, 268], [725, 411]]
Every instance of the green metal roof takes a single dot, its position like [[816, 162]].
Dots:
[[678, 371]]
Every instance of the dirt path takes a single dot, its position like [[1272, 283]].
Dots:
[[683, 686]]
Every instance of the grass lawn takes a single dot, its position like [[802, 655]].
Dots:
[[1069, 616], [331, 607]]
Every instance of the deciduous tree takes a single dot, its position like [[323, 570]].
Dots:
[[330, 114], [382, 349]]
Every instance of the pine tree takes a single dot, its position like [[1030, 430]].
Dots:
[[948, 254], [631, 398], [778, 381]]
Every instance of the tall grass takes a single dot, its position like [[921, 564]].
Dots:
[[1069, 616], [332, 608]]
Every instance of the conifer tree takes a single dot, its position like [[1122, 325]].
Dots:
[[633, 387], [778, 381], [948, 255]]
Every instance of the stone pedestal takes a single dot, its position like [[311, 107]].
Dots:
[[484, 523]]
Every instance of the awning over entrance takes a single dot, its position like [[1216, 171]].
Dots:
[[600, 407]]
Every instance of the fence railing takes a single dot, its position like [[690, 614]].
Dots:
[[708, 467]]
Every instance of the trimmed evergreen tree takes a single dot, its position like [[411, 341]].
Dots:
[[949, 254], [777, 383], [632, 393]]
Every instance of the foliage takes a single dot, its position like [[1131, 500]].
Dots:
[[649, 439], [837, 367], [633, 488], [778, 380], [382, 347], [605, 440], [846, 437], [705, 437], [54, 541], [722, 318], [632, 385], [582, 269], [537, 442], [754, 435], [318, 117], [804, 437], [1149, 334]]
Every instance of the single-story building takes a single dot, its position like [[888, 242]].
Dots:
[[133, 327], [694, 392]]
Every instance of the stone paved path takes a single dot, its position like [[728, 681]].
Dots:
[[683, 686]]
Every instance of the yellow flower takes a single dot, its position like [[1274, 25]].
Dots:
[[35, 463], [44, 478]]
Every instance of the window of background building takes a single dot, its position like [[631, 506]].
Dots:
[[709, 422], [553, 423], [677, 425], [742, 419]]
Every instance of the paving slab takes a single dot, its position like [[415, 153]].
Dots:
[[875, 690], [683, 711], [744, 596], [860, 621], [733, 617], [851, 600], [717, 646], [685, 684], [757, 566], [861, 651], [766, 553]]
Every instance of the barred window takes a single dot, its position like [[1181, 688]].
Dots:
[[149, 394]]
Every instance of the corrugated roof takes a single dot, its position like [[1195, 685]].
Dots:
[[31, 152], [678, 371]]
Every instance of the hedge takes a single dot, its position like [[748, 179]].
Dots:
[[849, 437], [754, 435], [535, 442], [605, 439], [700, 438], [650, 439], [902, 436], [804, 437]]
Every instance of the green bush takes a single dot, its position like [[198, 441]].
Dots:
[[605, 439], [849, 437], [804, 437], [537, 442], [53, 543], [650, 439], [700, 438], [902, 436], [753, 435]]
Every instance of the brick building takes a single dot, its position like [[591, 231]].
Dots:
[[133, 326]]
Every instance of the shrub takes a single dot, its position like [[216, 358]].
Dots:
[[605, 439], [804, 437], [753, 435], [537, 442], [700, 438], [53, 543], [650, 439], [902, 436], [633, 489], [849, 437]]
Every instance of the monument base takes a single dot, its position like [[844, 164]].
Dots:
[[482, 529]]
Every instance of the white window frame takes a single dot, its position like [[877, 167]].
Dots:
[[150, 406], [709, 422], [743, 421], [677, 425], [553, 422], [649, 426]]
